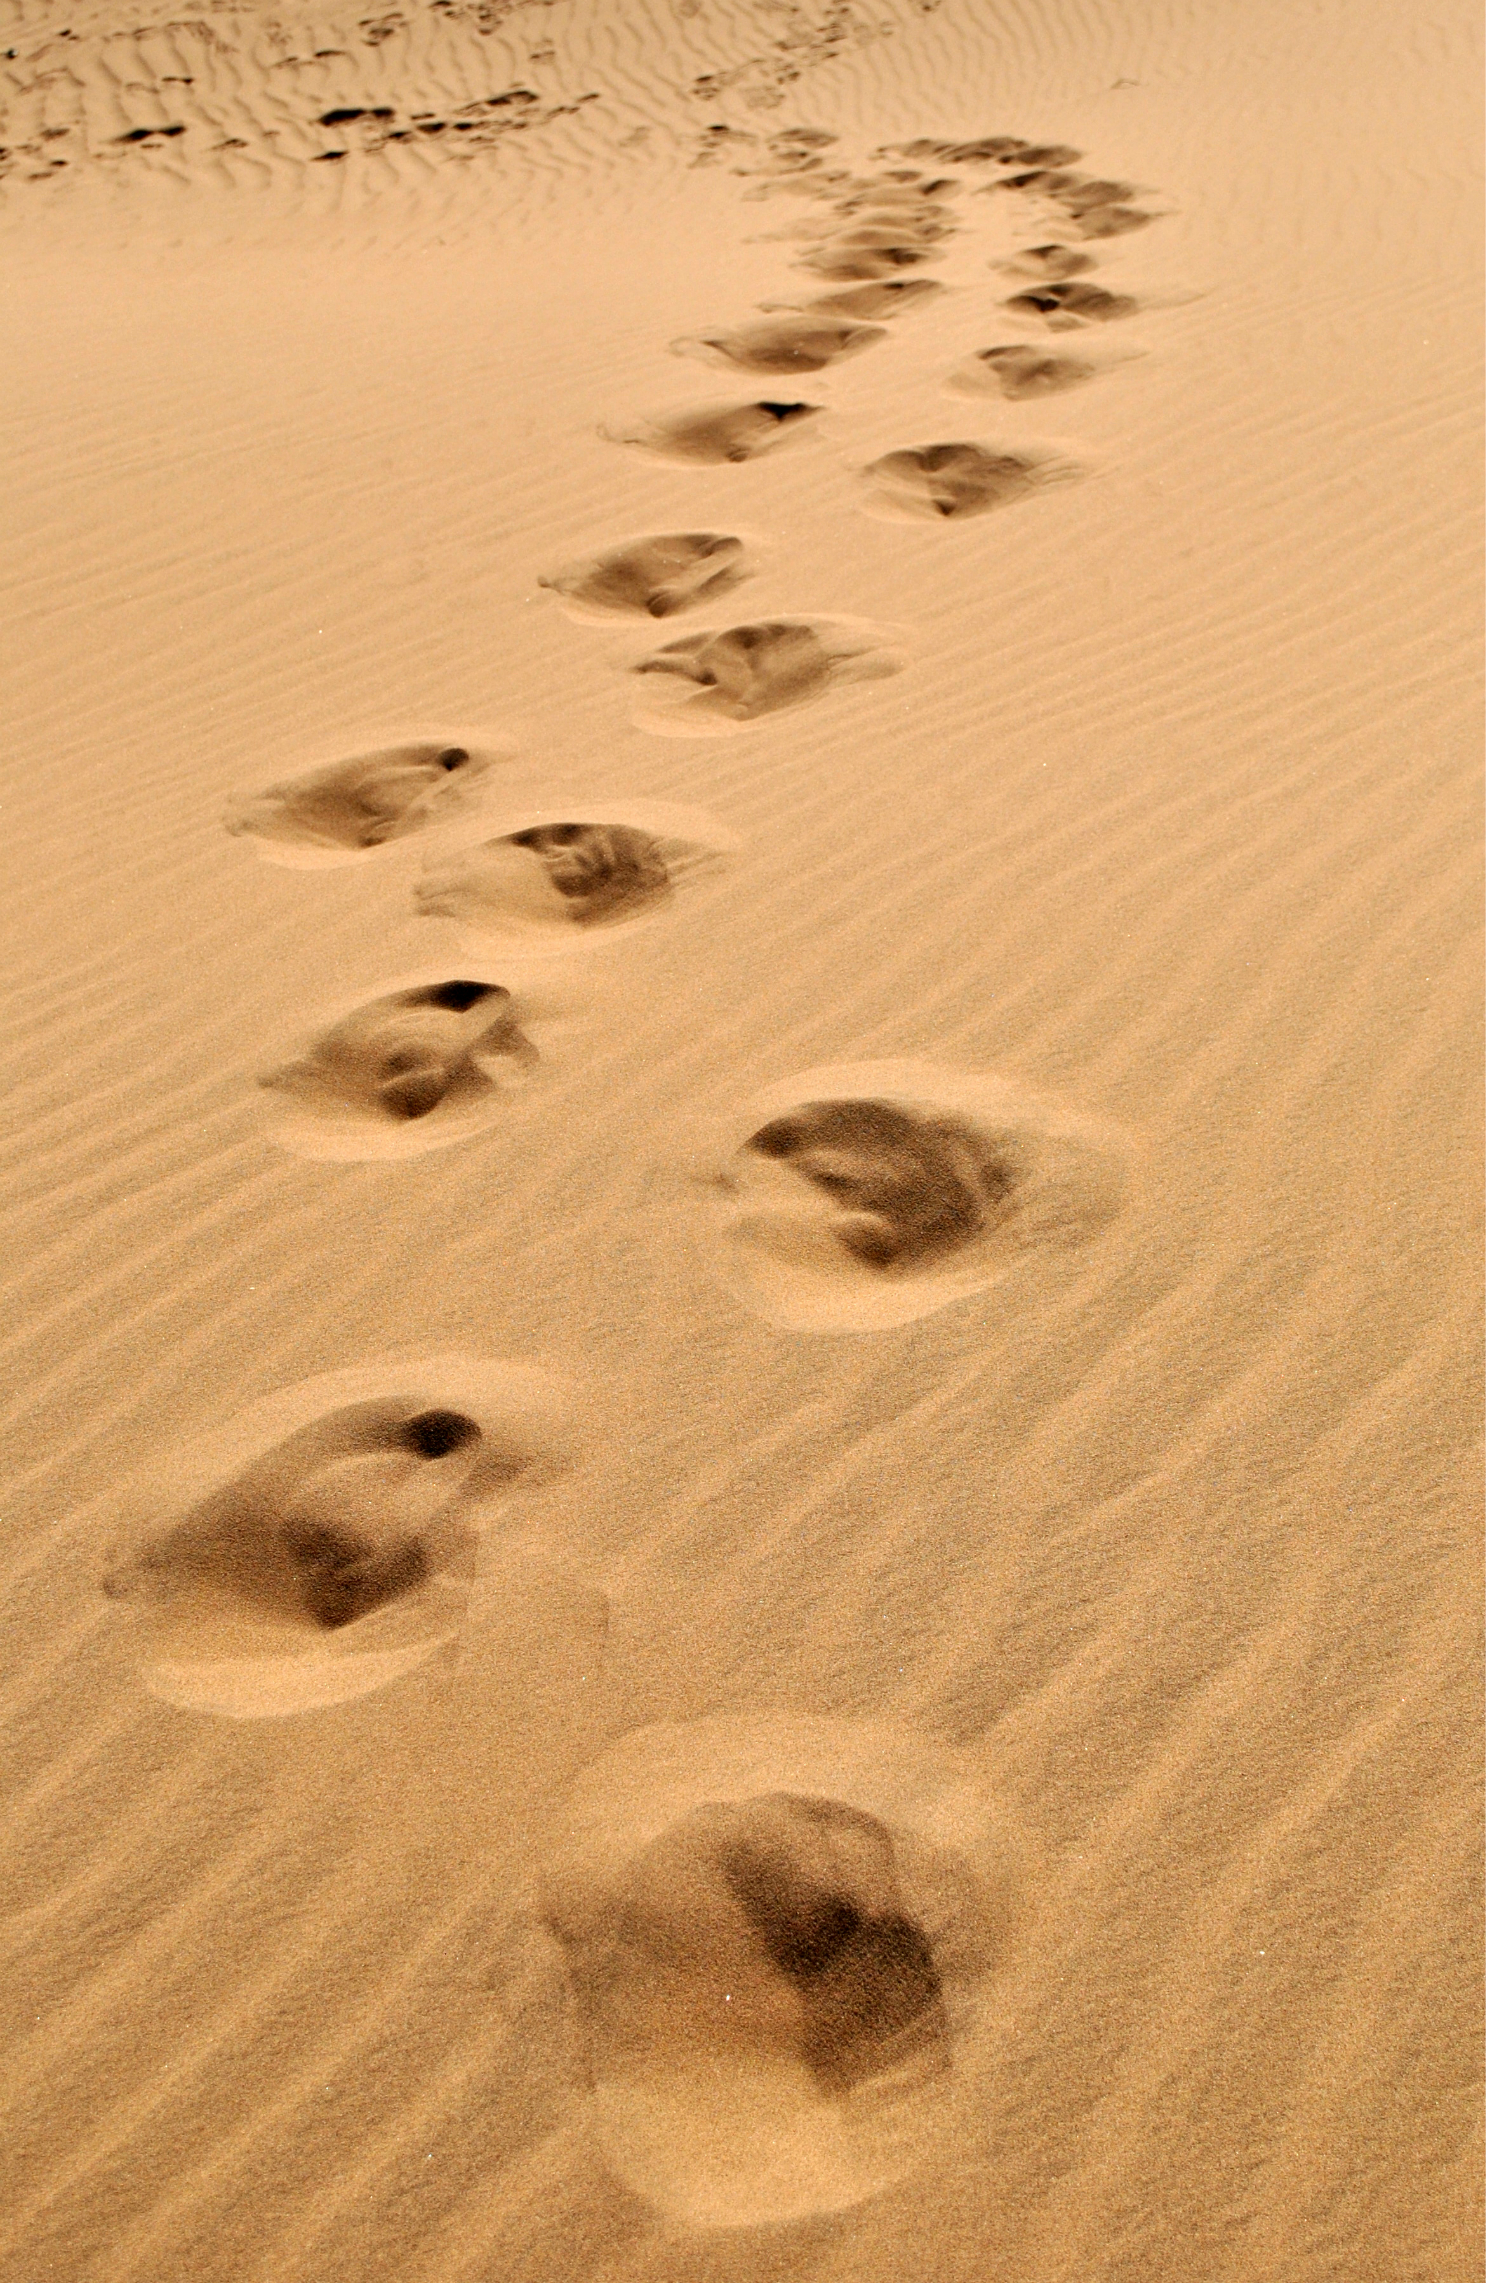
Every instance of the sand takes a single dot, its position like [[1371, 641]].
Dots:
[[1145, 1552]]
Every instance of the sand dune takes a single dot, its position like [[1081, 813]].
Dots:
[[1039, 1677]]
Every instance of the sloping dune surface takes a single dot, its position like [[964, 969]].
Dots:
[[1146, 1945]]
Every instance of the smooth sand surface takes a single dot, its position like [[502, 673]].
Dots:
[[320, 329]]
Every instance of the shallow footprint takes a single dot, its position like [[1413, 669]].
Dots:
[[1019, 370], [798, 346], [889, 297], [544, 881], [746, 672], [865, 1195], [350, 810], [944, 482], [655, 577], [324, 1543], [1066, 304], [717, 432], [1051, 261], [779, 1934], [418, 1066], [878, 254]]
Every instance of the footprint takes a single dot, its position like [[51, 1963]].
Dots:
[[1019, 370], [888, 298], [1052, 261], [1112, 221], [716, 432], [1002, 149], [541, 881], [789, 346], [350, 810], [416, 1067], [873, 254], [325, 1542], [865, 1195], [929, 482], [779, 1935], [1095, 209], [654, 577], [746, 672], [1064, 306]]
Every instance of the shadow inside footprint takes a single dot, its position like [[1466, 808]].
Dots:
[[1073, 303], [326, 1542], [798, 346], [817, 1884], [936, 482], [1051, 261], [887, 297], [361, 803], [904, 1189], [856, 1206], [561, 875], [886, 253], [402, 1057], [655, 577], [717, 432], [1000, 149], [776, 1933], [748, 671], [1014, 370], [341, 1519]]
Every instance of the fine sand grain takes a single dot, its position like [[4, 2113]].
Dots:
[[793, 1596]]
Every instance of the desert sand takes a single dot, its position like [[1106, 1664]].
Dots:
[[742, 1222]]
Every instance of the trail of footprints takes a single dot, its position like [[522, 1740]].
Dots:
[[773, 1932]]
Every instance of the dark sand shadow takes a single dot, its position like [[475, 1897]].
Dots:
[[776, 1931], [325, 1542]]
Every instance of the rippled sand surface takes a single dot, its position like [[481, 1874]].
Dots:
[[1125, 763]]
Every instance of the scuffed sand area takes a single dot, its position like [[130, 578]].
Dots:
[[743, 1350]]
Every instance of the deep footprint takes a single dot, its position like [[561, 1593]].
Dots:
[[1066, 305], [1051, 261], [746, 672], [905, 1189], [888, 297], [849, 1208], [402, 1057], [944, 482], [364, 802], [564, 876], [543, 882], [817, 1884], [717, 432], [1019, 372], [358, 1497], [654, 577], [770, 1962], [1094, 209]]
